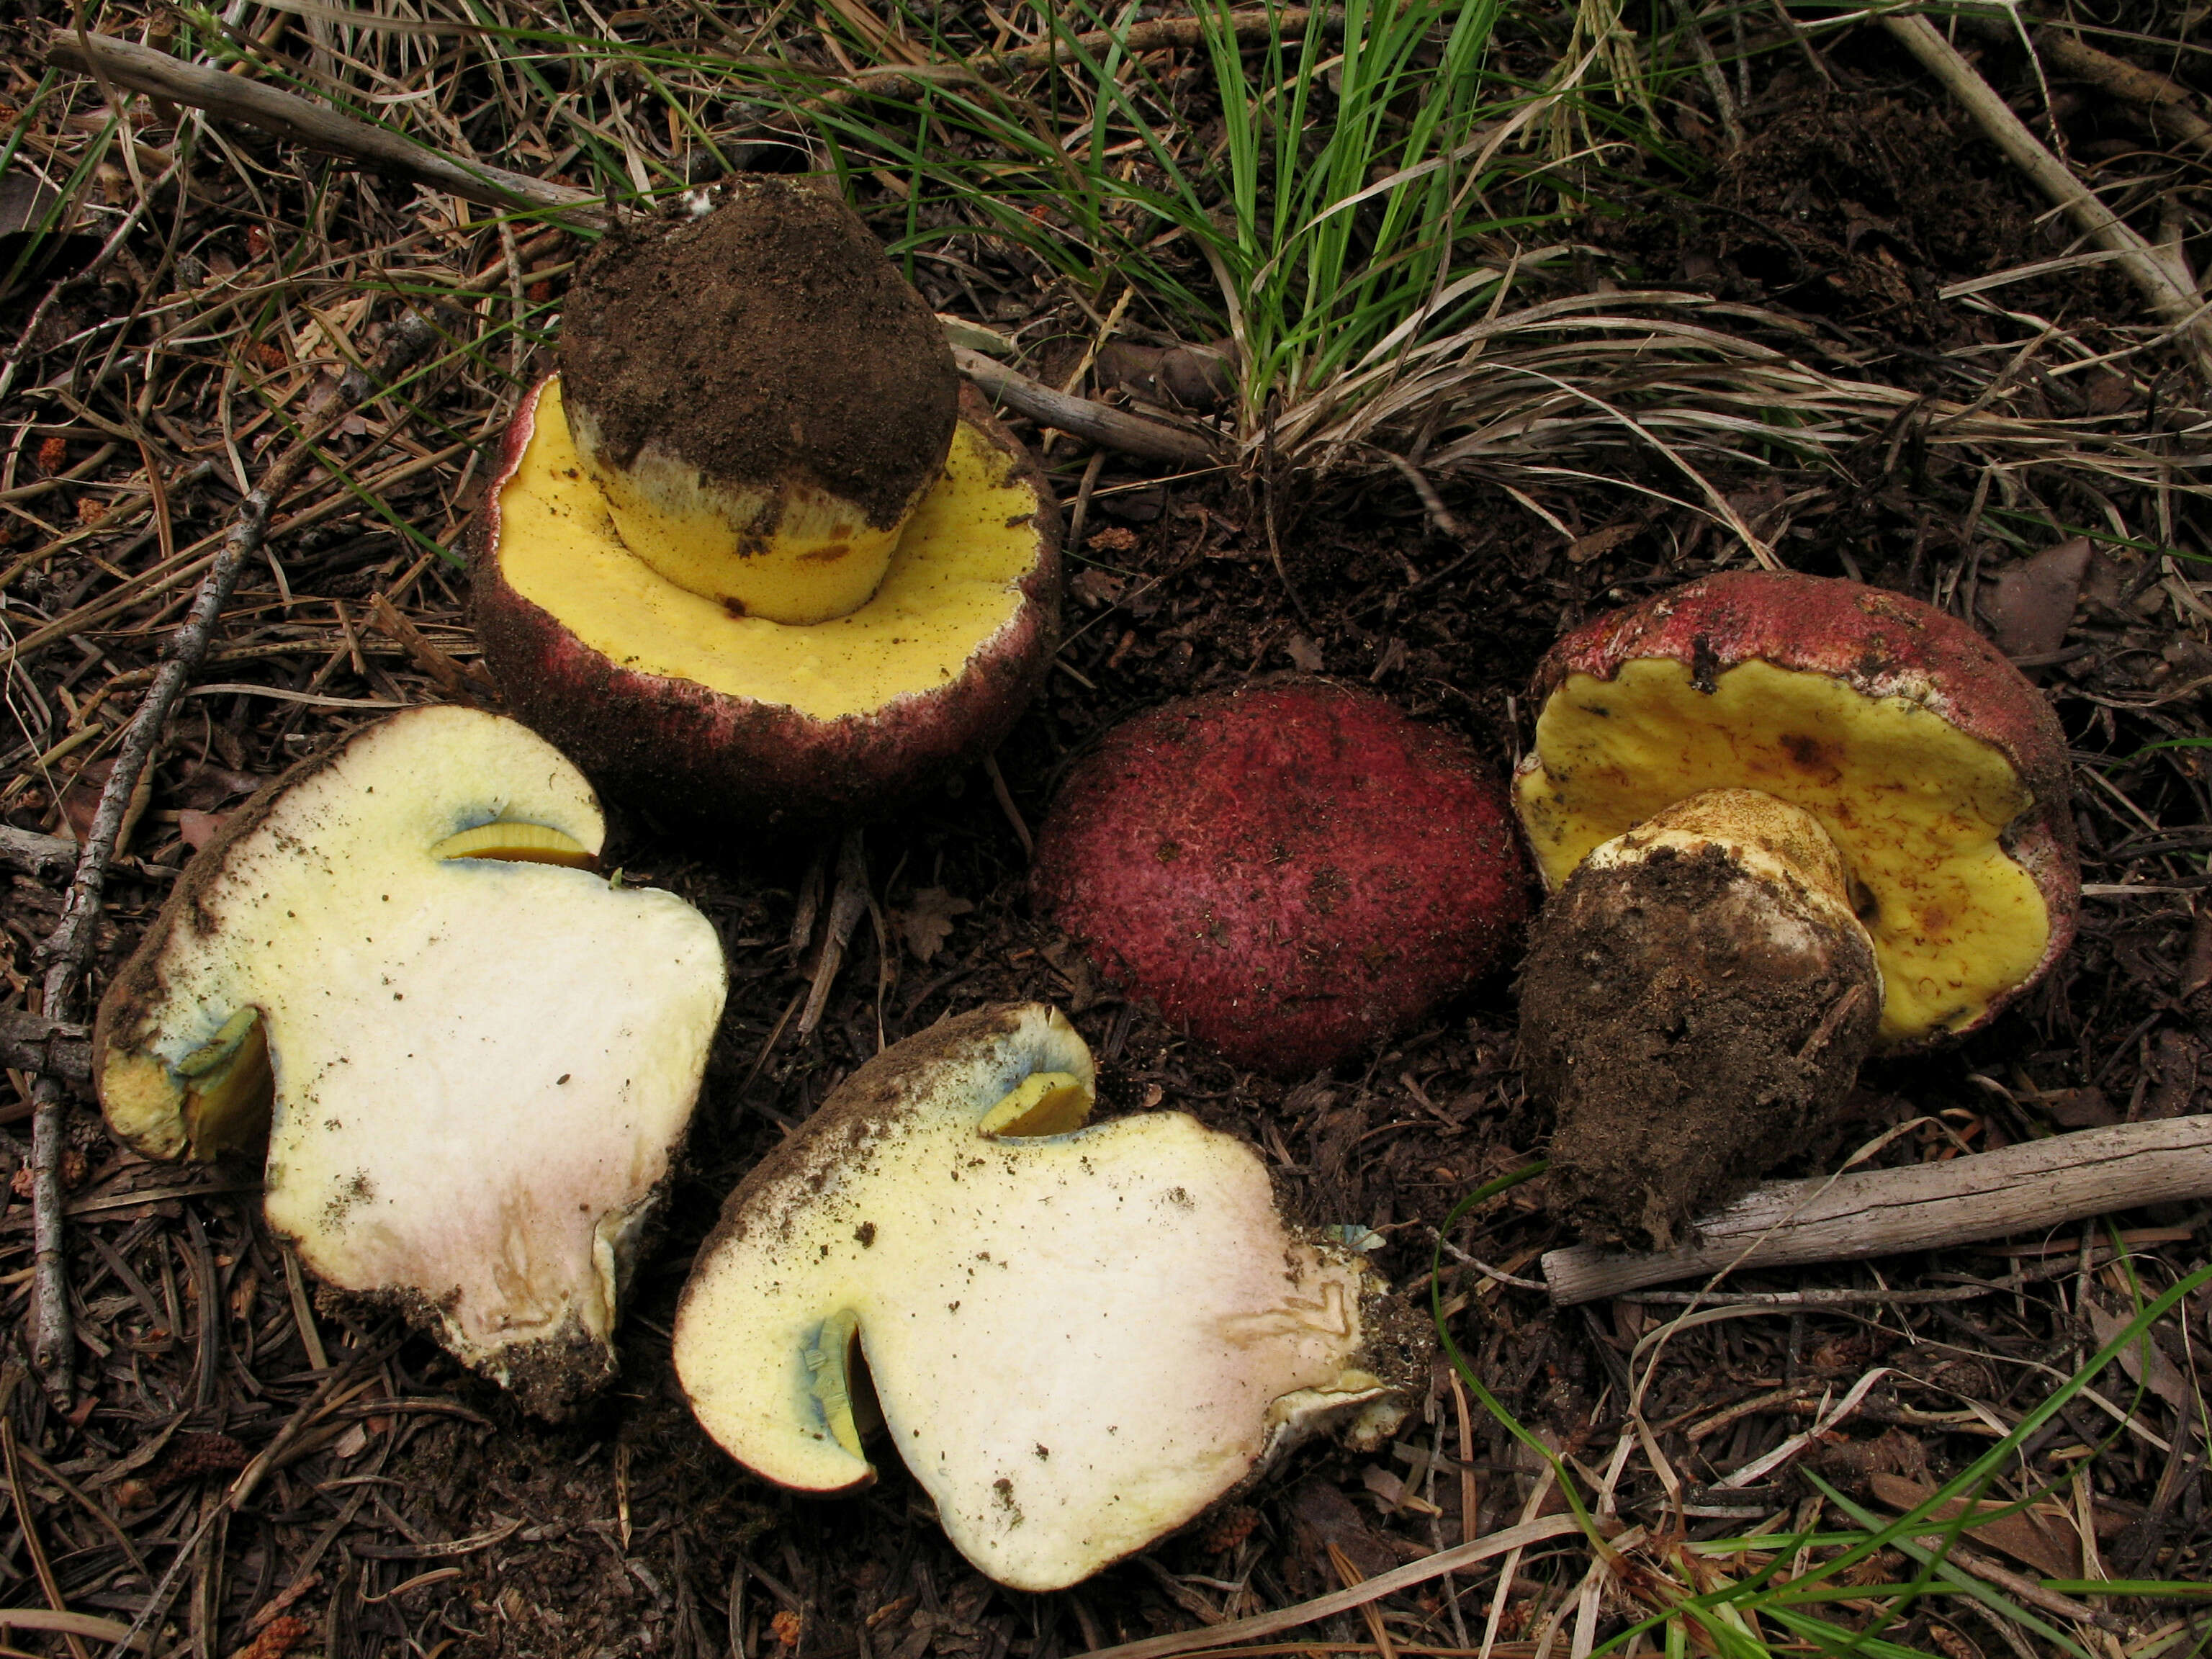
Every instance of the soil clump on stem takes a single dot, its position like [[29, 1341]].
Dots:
[[847, 382], [1663, 998]]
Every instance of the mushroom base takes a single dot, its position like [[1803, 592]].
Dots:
[[1692, 1019]]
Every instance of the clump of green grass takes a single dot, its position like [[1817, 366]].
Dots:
[[1723, 1596]]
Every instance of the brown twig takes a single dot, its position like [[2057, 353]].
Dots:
[[2041, 1183], [2166, 103], [288, 116], [69, 945], [1079, 417]]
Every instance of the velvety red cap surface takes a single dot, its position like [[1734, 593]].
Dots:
[[1294, 871]]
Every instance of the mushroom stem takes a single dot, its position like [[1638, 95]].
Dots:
[[1698, 996], [1768, 836], [796, 555]]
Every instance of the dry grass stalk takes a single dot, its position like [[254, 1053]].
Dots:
[[2170, 293]]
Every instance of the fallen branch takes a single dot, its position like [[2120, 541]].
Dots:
[[2168, 294], [2040, 1184], [2166, 103], [31, 1043], [35, 854], [69, 947], [288, 116], [1097, 423]]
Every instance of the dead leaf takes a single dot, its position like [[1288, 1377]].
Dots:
[[206, 786], [1075, 972], [1095, 588], [1889, 1454], [924, 921], [2108, 393], [2031, 1536], [1304, 653], [1598, 542], [198, 828], [1321, 1516], [2143, 1359], [2030, 605], [2078, 1108]]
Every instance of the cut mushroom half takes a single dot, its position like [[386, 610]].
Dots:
[[473, 1059], [1077, 1337]]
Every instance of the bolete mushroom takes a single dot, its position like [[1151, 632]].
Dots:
[[1294, 871], [1077, 1337], [1789, 819], [473, 1059], [754, 552]]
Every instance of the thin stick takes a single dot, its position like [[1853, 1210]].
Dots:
[[2166, 102], [288, 116], [2038, 1185], [67, 948], [1079, 417], [2174, 301]]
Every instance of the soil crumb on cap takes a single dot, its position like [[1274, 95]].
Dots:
[[769, 338], [1693, 1024]]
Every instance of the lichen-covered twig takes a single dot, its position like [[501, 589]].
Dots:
[[1926, 1206], [69, 947]]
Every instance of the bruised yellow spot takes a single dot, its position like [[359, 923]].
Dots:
[[1916, 807], [953, 583], [1041, 1103], [517, 843]]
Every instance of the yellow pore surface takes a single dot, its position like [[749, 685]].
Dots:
[[1914, 806], [952, 585]]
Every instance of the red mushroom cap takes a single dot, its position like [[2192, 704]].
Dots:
[[1294, 871]]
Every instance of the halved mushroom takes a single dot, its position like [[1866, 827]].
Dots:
[[1078, 1338], [474, 1062]]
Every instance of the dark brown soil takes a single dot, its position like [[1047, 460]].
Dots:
[[1691, 1023], [769, 341]]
